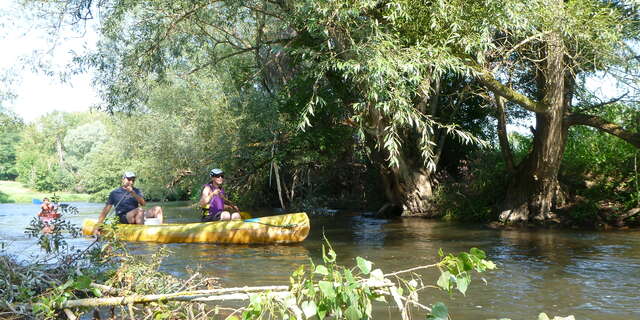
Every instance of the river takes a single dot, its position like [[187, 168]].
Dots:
[[588, 274]]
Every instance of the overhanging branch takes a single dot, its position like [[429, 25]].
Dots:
[[603, 125], [489, 81], [604, 103]]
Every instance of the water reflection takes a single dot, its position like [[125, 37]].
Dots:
[[233, 264]]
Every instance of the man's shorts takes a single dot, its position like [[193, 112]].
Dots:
[[123, 218]]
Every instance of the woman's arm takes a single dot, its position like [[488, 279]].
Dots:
[[205, 198]]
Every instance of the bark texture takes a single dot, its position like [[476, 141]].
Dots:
[[533, 191]]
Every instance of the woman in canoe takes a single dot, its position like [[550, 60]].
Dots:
[[213, 196]]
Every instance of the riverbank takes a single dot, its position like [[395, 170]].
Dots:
[[16, 192]]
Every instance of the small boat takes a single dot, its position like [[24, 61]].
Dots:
[[286, 228]]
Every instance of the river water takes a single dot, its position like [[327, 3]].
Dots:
[[588, 274]]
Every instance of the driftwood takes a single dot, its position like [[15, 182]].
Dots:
[[224, 294], [629, 214], [193, 296]]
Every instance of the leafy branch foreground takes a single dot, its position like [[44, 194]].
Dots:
[[323, 291]]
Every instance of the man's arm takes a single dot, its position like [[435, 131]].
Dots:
[[104, 213], [135, 195], [138, 198]]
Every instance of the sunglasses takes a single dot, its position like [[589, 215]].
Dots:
[[131, 179], [218, 175]]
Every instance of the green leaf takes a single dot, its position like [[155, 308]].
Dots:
[[543, 316], [352, 313], [349, 277], [322, 311], [439, 311], [309, 308], [327, 290], [377, 274], [443, 281], [83, 282], [463, 282], [478, 253], [364, 265], [96, 292], [66, 285], [320, 269], [161, 316]]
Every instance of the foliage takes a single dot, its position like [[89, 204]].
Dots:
[[38, 288], [10, 127], [332, 291], [39, 153], [602, 167], [471, 194], [52, 240], [63, 272]]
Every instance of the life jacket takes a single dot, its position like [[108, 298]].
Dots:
[[49, 213]]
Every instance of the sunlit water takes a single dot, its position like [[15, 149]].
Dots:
[[592, 275]]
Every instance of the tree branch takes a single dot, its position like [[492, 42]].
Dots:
[[502, 134], [604, 103], [603, 125], [489, 81]]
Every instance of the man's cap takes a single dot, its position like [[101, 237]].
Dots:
[[215, 172], [129, 174]]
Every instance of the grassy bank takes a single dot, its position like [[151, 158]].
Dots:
[[16, 192]]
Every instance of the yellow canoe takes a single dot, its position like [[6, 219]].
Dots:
[[286, 228]]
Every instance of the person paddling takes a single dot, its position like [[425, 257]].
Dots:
[[47, 213], [128, 202], [213, 195]]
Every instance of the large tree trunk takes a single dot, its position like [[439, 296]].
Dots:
[[534, 189], [408, 188]]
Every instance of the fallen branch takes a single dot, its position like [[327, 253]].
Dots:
[[224, 294], [629, 214]]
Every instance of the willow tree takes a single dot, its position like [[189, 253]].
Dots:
[[359, 59], [540, 60]]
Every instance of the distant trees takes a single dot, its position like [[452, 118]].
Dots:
[[10, 127]]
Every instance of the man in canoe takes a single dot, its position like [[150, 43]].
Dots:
[[213, 196], [129, 201]]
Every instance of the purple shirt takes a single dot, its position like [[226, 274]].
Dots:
[[217, 202]]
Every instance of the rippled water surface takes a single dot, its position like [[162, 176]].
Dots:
[[592, 275]]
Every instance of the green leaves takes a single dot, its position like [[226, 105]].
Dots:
[[327, 289], [439, 311], [455, 270], [309, 308], [364, 265]]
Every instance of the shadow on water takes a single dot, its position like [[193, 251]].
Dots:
[[592, 275]]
